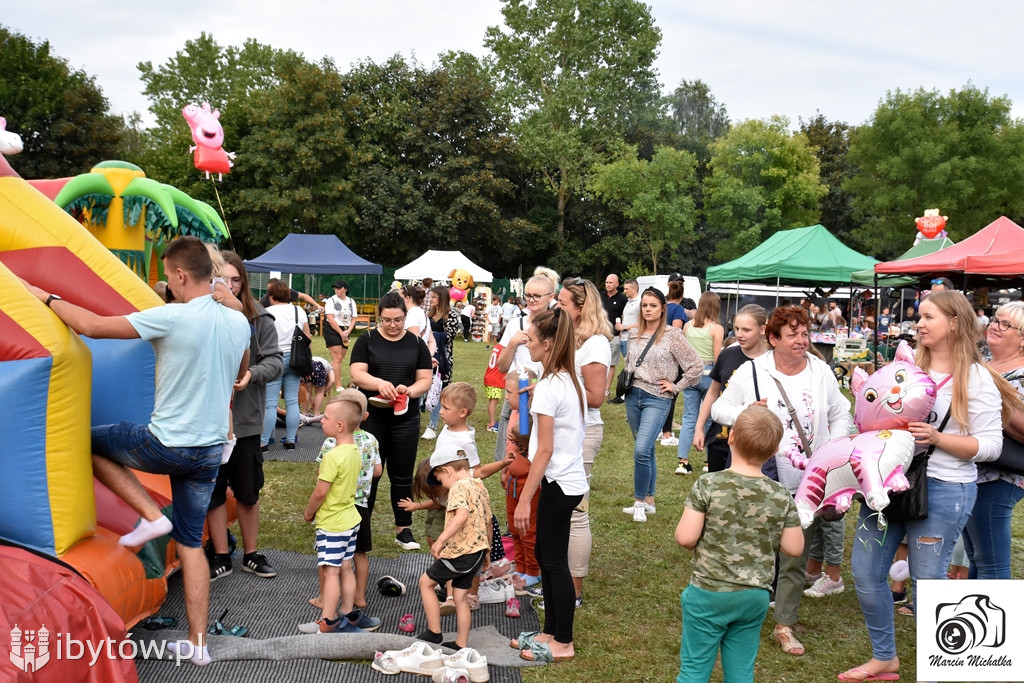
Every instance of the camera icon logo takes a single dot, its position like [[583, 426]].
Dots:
[[972, 622]]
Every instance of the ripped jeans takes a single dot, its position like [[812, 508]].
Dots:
[[949, 506]]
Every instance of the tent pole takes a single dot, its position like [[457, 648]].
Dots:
[[776, 291], [878, 314]]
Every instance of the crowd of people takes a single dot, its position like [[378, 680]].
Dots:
[[557, 359]]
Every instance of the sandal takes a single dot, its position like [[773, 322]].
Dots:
[[541, 652], [407, 623], [790, 645], [868, 676], [524, 641]]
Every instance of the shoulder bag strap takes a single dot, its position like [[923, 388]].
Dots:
[[796, 421], [942, 426], [643, 353], [753, 368]]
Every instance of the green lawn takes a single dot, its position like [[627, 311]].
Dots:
[[628, 628]]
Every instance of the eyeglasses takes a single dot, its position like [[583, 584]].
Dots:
[[573, 282], [1002, 325], [938, 281], [392, 321], [234, 280], [536, 297]]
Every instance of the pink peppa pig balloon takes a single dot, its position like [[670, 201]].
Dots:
[[208, 135], [873, 462]]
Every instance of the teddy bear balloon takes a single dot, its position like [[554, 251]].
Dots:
[[871, 463], [462, 282], [931, 225]]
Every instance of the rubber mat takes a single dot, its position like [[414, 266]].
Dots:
[[275, 651]]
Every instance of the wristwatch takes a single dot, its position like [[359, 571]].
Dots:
[[51, 298]]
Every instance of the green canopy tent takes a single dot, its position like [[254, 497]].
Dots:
[[922, 248], [810, 253]]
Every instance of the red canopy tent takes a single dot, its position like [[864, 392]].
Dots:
[[999, 239]]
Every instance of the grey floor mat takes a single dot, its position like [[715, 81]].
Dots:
[[307, 445], [271, 608]]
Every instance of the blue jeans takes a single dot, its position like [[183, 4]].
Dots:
[[645, 414], [435, 415], [949, 506], [692, 398], [987, 534], [290, 379], [193, 472]]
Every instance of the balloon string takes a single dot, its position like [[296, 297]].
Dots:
[[222, 214]]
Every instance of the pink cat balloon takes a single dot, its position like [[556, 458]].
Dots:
[[873, 462]]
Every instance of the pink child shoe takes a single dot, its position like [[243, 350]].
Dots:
[[407, 624], [512, 608]]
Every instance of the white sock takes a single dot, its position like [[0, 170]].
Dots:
[[146, 531], [226, 453], [200, 655]]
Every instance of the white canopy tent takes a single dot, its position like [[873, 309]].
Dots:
[[438, 265]]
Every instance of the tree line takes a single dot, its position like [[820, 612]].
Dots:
[[558, 147]]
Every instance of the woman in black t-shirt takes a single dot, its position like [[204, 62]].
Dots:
[[748, 326], [392, 367]]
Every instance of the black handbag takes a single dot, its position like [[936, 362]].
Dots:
[[624, 382], [301, 360], [1011, 458], [912, 504]]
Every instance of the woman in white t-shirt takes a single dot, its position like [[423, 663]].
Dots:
[[558, 411], [415, 318], [339, 321], [286, 317], [540, 295], [582, 301]]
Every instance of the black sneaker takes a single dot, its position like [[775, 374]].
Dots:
[[220, 566], [289, 445], [258, 565], [405, 539], [618, 400]]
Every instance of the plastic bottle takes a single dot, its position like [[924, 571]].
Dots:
[[524, 403]]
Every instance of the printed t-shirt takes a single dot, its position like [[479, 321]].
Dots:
[[470, 494]]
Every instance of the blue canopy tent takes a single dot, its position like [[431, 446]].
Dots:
[[314, 255]]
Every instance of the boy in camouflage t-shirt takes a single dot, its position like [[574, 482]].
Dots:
[[735, 521]]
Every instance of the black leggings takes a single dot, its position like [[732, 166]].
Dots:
[[467, 325], [552, 551], [399, 437]]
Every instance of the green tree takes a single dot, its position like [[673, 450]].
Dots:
[[294, 166], [437, 165], [962, 153], [831, 143], [698, 119], [655, 195], [574, 73], [59, 112], [763, 179]]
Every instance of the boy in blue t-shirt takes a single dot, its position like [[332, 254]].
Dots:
[[735, 521], [332, 505]]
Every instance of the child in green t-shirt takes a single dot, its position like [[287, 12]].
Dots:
[[333, 508], [735, 521]]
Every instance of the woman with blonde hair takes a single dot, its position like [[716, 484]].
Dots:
[[539, 293], [972, 403], [705, 335], [581, 300]]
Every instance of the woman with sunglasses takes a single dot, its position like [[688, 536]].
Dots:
[[392, 366], [987, 534], [539, 295], [655, 355], [581, 300]]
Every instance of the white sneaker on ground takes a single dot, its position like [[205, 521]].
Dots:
[[429, 434], [670, 441], [639, 514], [419, 658], [471, 661], [494, 591], [450, 675], [825, 586], [648, 508], [309, 627]]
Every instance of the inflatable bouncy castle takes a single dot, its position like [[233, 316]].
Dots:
[[63, 567]]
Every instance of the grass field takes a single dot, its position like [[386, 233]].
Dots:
[[629, 626]]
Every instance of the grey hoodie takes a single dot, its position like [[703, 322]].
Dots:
[[266, 363]]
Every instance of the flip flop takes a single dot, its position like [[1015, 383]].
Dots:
[[524, 641], [541, 652], [868, 676]]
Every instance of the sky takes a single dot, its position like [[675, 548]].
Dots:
[[794, 58]]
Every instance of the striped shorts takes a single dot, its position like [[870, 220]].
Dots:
[[334, 548]]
